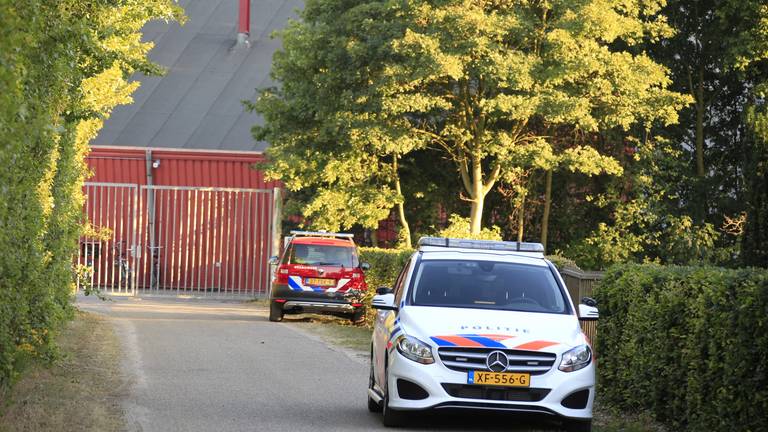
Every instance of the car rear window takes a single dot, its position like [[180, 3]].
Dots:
[[309, 254], [487, 285]]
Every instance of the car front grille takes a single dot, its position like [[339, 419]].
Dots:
[[466, 359], [467, 391]]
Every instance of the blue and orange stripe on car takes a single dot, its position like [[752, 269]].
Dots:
[[488, 341], [471, 340]]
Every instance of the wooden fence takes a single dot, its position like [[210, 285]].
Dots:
[[580, 284]]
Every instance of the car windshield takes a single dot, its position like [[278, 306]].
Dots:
[[323, 255], [487, 285]]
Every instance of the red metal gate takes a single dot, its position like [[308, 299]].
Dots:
[[179, 240], [205, 240], [107, 252]]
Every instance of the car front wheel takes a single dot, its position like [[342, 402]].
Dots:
[[390, 417], [373, 406], [358, 316]]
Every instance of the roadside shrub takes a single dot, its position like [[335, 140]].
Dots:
[[459, 227], [688, 344], [385, 266], [65, 65], [562, 262]]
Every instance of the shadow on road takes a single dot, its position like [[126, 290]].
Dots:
[[460, 420]]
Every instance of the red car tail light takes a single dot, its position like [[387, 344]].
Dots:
[[281, 275]]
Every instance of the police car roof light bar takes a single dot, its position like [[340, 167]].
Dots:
[[321, 234], [508, 246]]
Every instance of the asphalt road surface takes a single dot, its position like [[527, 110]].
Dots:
[[222, 366]]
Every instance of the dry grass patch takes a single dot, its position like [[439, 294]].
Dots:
[[336, 331], [80, 392]]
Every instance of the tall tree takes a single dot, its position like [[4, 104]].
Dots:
[[755, 243], [582, 159], [748, 55], [479, 79], [713, 44], [372, 80], [328, 134]]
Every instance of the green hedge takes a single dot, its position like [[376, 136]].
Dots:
[[385, 266], [688, 344], [64, 65]]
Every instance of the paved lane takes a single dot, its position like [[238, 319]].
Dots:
[[222, 366]]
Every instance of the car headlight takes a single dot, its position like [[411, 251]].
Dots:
[[414, 349], [576, 358]]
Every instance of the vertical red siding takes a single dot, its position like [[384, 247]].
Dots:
[[178, 168], [186, 221]]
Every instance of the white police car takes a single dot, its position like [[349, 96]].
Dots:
[[481, 325]]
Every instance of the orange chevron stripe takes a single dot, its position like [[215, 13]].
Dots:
[[460, 341], [535, 345]]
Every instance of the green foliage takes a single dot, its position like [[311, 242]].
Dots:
[[460, 227], [63, 67], [755, 241], [686, 343], [638, 235], [386, 264], [562, 262], [718, 55], [366, 81], [644, 226], [326, 136]]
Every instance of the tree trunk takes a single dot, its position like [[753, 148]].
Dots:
[[406, 229], [700, 108], [478, 198], [701, 191], [521, 219], [547, 204]]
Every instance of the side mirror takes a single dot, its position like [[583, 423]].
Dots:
[[589, 301], [365, 266], [274, 260], [383, 290], [588, 313], [384, 302]]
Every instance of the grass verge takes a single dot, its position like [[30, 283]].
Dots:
[[80, 391], [335, 331], [358, 338]]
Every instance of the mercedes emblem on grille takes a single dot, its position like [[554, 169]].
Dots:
[[497, 361]]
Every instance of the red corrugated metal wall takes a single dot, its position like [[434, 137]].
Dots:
[[211, 228], [178, 168]]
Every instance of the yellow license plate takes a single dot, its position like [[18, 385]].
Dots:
[[506, 379], [320, 282]]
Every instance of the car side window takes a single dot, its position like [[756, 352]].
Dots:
[[400, 283]]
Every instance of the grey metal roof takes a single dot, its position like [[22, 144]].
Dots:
[[197, 103]]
